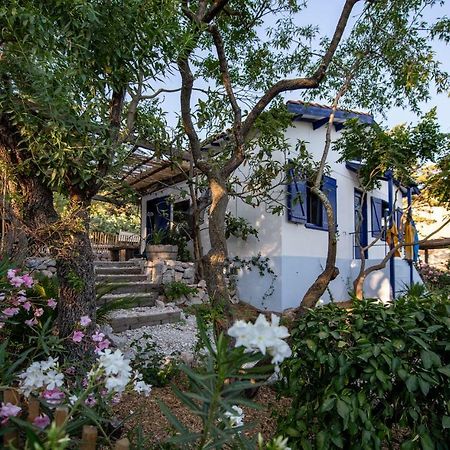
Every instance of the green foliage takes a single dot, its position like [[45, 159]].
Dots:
[[239, 227], [401, 149], [156, 369], [158, 237], [212, 395], [112, 219], [177, 289], [356, 376]]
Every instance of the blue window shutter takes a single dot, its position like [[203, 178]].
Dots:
[[329, 188], [377, 215], [297, 201]]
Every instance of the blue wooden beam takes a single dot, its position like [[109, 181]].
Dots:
[[322, 112], [320, 123]]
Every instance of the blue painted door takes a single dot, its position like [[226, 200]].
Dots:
[[158, 215], [361, 223]]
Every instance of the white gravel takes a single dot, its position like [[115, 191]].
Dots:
[[171, 339]]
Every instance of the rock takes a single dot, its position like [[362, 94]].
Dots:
[[194, 301], [189, 273], [160, 304], [178, 276], [187, 358], [171, 263], [32, 263], [179, 268], [185, 265], [51, 262], [202, 284], [168, 277], [170, 304], [52, 269], [46, 273]]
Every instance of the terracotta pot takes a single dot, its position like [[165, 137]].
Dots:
[[166, 252]]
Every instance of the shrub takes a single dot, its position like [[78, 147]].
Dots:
[[435, 279], [177, 289], [356, 375]]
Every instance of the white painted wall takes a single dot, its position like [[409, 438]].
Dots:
[[297, 253]]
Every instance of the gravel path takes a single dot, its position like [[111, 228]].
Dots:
[[177, 338]]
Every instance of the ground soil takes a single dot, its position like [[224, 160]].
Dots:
[[146, 413]]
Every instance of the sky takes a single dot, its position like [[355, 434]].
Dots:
[[325, 14], [329, 10]]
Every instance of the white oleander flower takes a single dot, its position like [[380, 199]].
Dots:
[[117, 370], [41, 374], [235, 416], [280, 443], [262, 336], [142, 388]]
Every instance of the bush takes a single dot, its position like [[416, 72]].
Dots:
[[362, 377], [177, 289]]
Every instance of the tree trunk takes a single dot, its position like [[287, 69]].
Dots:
[[75, 269], [330, 272], [215, 260], [358, 286]]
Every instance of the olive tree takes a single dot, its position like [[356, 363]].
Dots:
[[70, 77]]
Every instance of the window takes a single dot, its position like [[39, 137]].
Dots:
[[380, 214], [305, 207]]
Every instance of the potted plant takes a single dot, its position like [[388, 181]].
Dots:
[[157, 248]]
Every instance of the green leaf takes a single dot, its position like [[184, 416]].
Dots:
[[327, 404], [411, 383], [343, 410], [427, 442], [311, 345], [445, 421]]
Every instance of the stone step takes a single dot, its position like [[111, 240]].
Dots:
[[138, 299], [117, 270], [130, 287], [119, 278], [130, 263], [128, 319]]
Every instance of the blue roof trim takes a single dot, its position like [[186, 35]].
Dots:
[[299, 110]]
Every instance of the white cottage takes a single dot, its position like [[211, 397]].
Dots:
[[296, 242]]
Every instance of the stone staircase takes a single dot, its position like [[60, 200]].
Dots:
[[127, 280]]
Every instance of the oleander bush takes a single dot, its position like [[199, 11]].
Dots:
[[371, 376]]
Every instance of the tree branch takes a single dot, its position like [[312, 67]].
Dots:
[[302, 83]]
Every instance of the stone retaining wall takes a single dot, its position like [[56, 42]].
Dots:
[[44, 265], [164, 272]]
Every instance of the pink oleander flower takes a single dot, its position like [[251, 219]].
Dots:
[[116, 399], [102, 345], [90, 401], [98, 337], [31, 322], [38, 312], [11, 273], [77, 336], [21, 299], [70, 370], [26, 306], [42, 421], [9, 410], [53, 396], [2, 324], [9, 312], [16, 281], [85, 321], [27, 280], [52, 303]]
